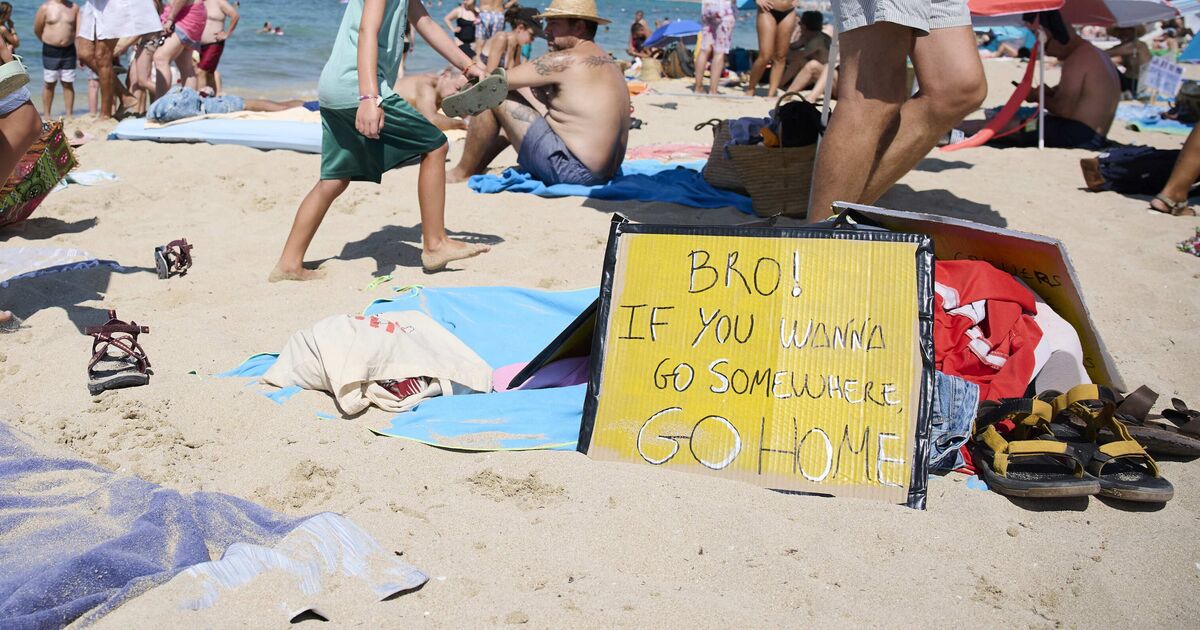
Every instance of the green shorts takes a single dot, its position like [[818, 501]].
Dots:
[[347, 154]]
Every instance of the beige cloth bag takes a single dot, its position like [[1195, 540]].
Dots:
[[346, 354]]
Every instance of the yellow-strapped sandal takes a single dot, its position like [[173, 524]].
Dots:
[[1018, 455], [1085, 417]]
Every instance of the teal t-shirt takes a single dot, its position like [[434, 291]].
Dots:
[[338, 88]]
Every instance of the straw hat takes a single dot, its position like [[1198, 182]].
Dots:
[[577, 9]]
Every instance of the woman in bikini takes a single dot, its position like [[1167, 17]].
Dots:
[[503, 50], [776, 21], [462, 21]]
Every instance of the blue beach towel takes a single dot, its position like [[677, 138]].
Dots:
[[77, 540], [1140, 117], [639, 180], [503, 325]]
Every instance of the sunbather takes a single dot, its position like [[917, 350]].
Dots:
[[503, 50], [808, 53], [1081, 108], [1174, 196], [581, 136]]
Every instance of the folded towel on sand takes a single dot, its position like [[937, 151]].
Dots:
[[639, 180], [76, 541], [1139, 117], [503, 325]]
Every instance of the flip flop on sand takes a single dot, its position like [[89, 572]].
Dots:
[[1018, 455], [13, 76], [1120, 464], [489, 92], [117, 358], [1172, 207], [173, 259], [1177, 435]]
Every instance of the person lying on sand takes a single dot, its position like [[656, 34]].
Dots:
[[1081, 108], [368, 129], [581, 137], [423, 91]]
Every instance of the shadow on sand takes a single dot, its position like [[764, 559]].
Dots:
[[940, 202], [394, 246], [42, 228], [67, 290]]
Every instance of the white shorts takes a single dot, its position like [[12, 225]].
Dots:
[[922, 15], [56, 76]]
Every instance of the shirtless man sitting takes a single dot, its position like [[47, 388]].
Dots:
[[581, 137], [1081, 108]]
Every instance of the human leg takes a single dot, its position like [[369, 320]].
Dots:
[[715, 72], [437, 248], [48, 96], [952, 85], [1183, 176], [783, 32], [68, 89], [308, 218], [187, 67], [483, 144], [19, 129], [870, 93], [166, 53], [766, 49], [102, 58], [701, 66], [807, 75]]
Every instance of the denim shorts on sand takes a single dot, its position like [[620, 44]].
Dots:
[[954, 404]]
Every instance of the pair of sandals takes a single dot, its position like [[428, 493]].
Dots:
[[1060, 445]]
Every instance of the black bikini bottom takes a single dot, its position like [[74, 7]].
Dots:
[[780, 16]]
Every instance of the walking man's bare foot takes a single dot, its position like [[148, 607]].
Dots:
[[449, 251], [279, 274]]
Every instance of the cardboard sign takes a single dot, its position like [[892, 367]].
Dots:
[[1039, 261], [795, 359], [1163, 77]]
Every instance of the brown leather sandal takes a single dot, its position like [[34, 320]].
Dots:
[[118, 360], [173, 259]]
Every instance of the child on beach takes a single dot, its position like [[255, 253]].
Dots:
[[368, 129]]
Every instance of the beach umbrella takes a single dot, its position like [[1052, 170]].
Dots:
[[675, 29], [1119, 13]]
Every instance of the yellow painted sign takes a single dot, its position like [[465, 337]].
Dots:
[[790, 362]]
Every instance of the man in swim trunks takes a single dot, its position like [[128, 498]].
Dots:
[[491, 17], [54, 24], [580, 137], [212, 41], [878, 133]]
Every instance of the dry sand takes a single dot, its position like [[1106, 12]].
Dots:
[[555, 539]]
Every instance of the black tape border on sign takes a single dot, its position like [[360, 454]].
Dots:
[[918, 483]]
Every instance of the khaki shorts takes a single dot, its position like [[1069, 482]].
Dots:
[[921, 15]]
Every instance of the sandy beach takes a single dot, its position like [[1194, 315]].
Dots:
[[554, 539]]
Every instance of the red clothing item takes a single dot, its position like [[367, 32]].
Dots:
[[983, 328]]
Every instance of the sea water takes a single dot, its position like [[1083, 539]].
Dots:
[[288, 66]]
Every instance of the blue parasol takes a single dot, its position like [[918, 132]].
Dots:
[[676, 29]]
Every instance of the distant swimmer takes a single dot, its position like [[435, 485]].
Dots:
[[266, 28]]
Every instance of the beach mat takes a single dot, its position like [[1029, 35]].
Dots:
[[638, 180], [257, 134], [503, 325], [77, 540]]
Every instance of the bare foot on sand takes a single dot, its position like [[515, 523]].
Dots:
[[451, 250], [455, 176], [278, 274], [9, 322]]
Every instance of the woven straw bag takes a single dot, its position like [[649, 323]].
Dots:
[[777, 179]]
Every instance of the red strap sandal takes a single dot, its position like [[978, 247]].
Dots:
[[174, 258], [118, 360]]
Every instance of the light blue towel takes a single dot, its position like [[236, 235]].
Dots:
[[503, 325], [638, 180], [1139, 117]]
